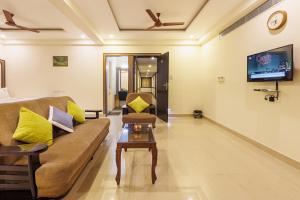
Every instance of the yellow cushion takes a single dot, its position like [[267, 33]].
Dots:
[[77, 113], [33, 128], [138, 105]]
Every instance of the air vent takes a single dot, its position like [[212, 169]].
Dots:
[[268, 4]]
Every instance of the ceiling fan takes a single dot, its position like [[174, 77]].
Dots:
[[10, 22], [158, 23]]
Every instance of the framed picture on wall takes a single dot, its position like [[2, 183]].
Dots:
[[2, 73], [60, 61]]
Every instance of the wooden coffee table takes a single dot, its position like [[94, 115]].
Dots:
[[131, 137]]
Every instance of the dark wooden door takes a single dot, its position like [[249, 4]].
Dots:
[[162, 86]]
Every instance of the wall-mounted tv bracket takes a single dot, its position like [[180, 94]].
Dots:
[[274, 93]]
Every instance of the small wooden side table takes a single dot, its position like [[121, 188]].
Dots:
[[136, 138]]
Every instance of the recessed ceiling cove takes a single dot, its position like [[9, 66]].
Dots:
[[132, 15]]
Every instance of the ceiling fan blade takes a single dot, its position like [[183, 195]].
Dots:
[[151, 27], [173, 23], [151, 14], [28, 29], [9, 17]]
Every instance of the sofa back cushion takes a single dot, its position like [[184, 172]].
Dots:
[[145, 96], [138, 105], [9, 114], [33, 128]]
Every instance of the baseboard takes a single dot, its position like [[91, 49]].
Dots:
[[266, 149], [180, 115]]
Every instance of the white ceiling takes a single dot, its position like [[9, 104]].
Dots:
[[37, 13], [95, 20], [133, 14], [118, 61], [147, 66], [146, 61]]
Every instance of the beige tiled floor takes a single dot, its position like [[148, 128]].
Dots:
[[197, 161]]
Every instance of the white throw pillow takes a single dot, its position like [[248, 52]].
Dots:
[[4, 93], [60, 119]]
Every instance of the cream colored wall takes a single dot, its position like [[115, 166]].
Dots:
[[234, 103], [1, 52], [30, 73]]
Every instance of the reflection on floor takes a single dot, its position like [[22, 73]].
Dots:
[[197, 160]]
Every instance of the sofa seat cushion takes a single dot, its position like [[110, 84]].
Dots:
[[68, 155], [139, 118]]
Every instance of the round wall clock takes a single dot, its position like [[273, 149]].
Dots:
[[277, 20]]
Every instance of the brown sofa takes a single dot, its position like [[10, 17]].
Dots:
[[65, 159], [147, 116]]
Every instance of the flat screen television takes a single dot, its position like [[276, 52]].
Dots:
[[272, 65]]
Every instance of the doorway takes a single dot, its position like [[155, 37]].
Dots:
[[146, 76], [140, 78], [117, 83]]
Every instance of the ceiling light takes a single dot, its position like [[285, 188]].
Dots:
[[2, 36], [148, 70], [111, 36], [83, 36], [149, 66], [192, 36], [152, 58]]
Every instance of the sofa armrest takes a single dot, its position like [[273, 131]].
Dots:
[[93, 111], [23, 150], [152, 109], [125, 110]]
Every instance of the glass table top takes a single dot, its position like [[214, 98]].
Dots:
[[136, 133]]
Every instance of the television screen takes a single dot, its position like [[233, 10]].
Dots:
[[272, 65]]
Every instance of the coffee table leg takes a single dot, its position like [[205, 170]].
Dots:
[[118, 163], [154, 163]]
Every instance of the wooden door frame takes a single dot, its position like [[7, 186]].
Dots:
[[2, 73], [105, 55]]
